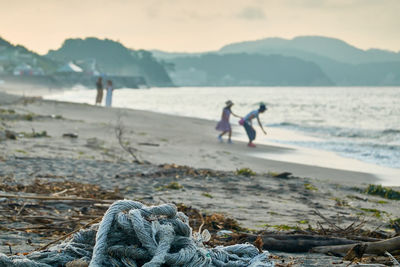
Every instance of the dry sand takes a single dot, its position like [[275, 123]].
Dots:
[[257, 202]]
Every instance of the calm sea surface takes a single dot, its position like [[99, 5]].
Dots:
[[354, 122]]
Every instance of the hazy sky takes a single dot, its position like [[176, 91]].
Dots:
[[198, 25]]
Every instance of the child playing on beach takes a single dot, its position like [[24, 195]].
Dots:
[[109, 93], [223, 125], [247, 124]]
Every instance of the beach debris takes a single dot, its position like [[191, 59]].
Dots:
[[310, 187], [356, 252], [394, 260], [29, 100], [181, 171], [376, 248], [177, 171], [36, 219], [385, 192], [225, 233], [69, 188], [284, 175], [10, 135], [33, 134], [28, 117], [245, 172], [57, 117], [7, 111], [148, 144], [94, 143], [207, 195], [13, 116], [171, 185], [70, 135], [259, 244], [134, 234], [395, 224], [77, 263], [62, 211]]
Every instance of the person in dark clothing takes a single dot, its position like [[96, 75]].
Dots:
[[99, 86]]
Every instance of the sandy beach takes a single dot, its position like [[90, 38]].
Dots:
[[257, 201]]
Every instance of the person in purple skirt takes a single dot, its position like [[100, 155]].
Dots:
[[223, 125]]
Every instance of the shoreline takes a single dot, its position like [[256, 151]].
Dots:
[[280, 137], [302, 155], [213, 155]]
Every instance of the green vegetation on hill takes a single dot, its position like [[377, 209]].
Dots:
[[247, 70], [113, 58], [12, 56]]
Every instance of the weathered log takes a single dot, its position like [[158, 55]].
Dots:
[[297, 243], [376, 248]]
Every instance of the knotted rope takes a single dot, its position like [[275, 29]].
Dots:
[[132, 234]]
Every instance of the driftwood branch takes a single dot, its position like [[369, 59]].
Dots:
[[119, 133], [296, 243], [376, 248]]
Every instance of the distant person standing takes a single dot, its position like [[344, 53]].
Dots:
[[247, 124], [109, 93], [99, 86], [223, 125]]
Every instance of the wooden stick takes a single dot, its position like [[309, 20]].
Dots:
[[69, 234], [58, 198]]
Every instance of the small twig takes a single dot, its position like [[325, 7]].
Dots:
[[326, 220], [20, 210], [392, 258], [69, 234], [61, 192], [202, 221], [148, 144], [322, 228], [119, 132]]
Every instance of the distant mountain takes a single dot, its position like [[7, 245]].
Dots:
[[11, 56], [342, 63], [246, 70], [331, 48], [170, 55], [113, 58]]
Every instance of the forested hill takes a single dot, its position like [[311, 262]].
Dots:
[[12, 55], [113, 58], [246, 70], [341, 63], [344, 64], [331, 48]]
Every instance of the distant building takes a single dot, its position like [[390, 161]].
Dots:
[[89, 66], [70, 67], [27, 70]]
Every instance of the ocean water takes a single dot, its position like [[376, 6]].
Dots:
[[361, 123]]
